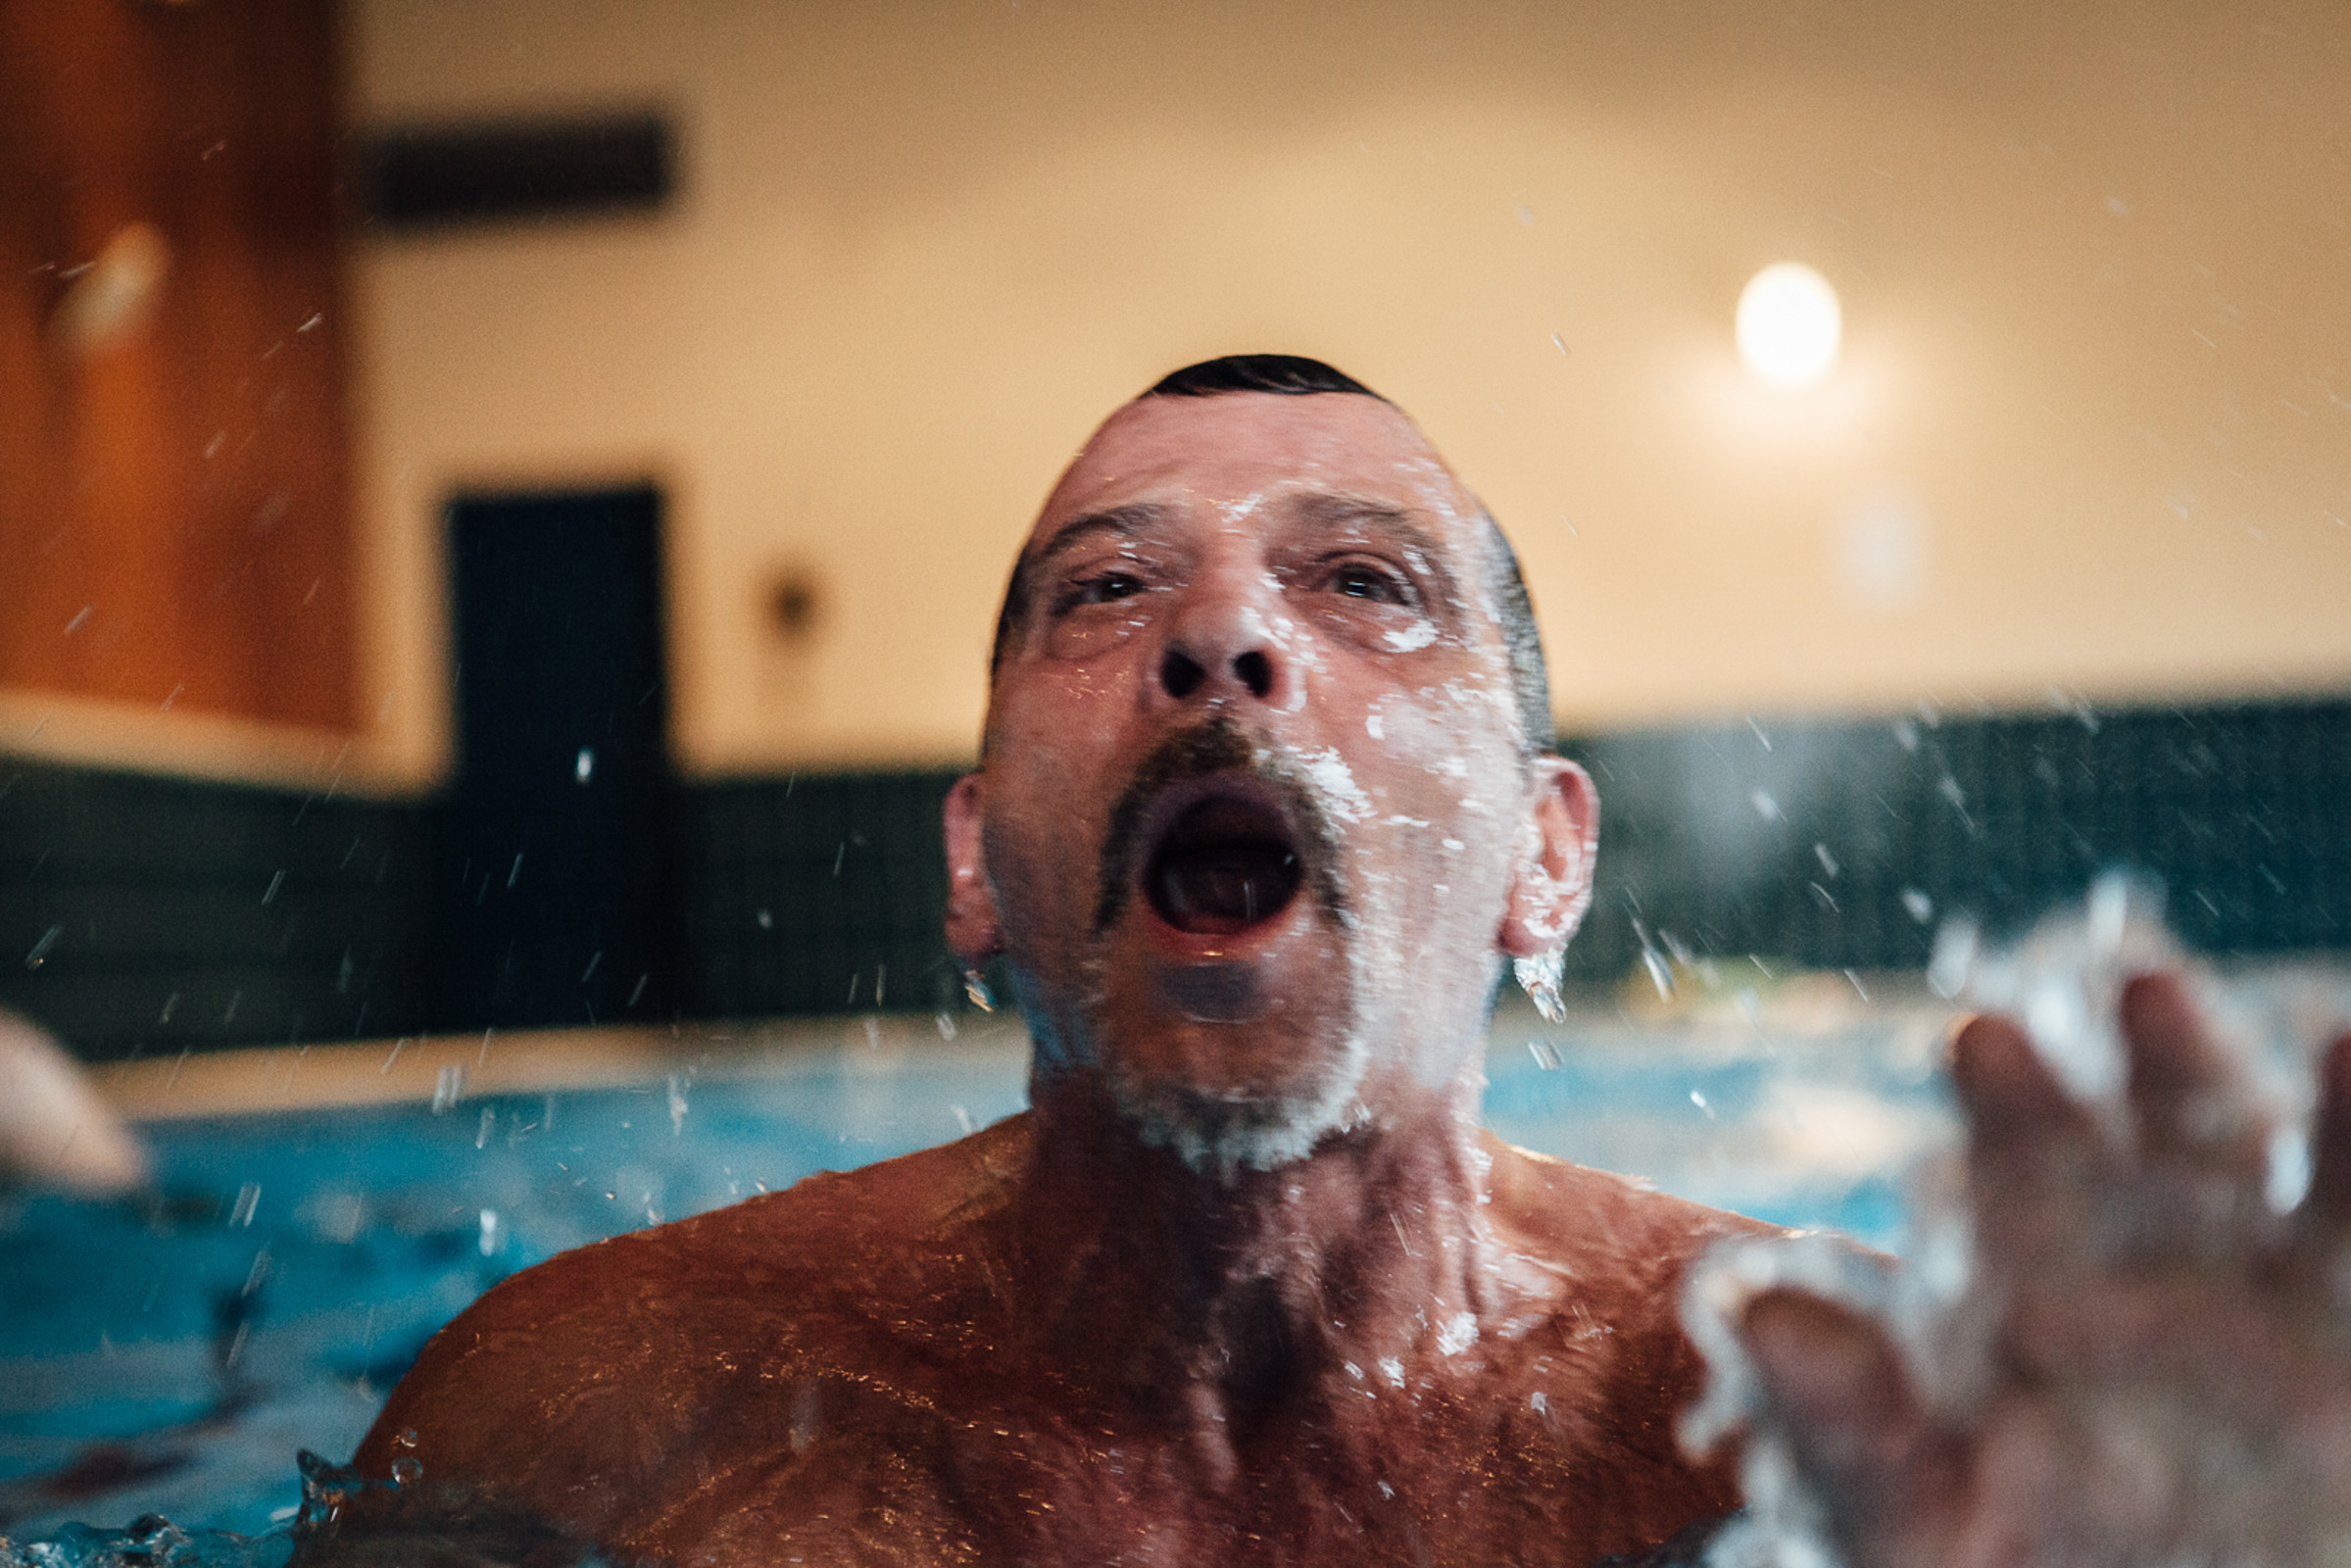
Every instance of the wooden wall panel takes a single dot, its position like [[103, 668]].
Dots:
[[174, 524]]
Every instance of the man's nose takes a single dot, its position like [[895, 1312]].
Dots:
[[1220, 645]]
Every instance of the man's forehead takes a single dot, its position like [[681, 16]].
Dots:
[[1239, 451]]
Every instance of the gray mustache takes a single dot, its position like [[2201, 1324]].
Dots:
[[1214, 746]]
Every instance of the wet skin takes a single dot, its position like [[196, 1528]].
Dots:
[[1254, 828]]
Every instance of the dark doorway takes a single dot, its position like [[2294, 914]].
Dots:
[[552, 845]]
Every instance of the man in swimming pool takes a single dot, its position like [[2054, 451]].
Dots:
[[1266, 800]]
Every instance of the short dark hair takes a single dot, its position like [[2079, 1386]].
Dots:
[[1293, 375], [1285, 373]]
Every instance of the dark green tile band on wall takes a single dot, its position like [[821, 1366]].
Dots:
[[817, 893], [141, 915], [1844, 843]]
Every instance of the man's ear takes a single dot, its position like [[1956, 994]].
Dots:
[[1552, 887], [972, 932]]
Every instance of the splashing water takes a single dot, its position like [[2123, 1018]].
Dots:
[[1781, 1525], [1539, 977], [1942, 1308], [152, 1542], [413, 1528], [2062, 980]]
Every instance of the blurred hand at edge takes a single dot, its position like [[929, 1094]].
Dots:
[[2148, 1363]]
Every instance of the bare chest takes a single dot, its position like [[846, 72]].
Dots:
[[850, 1473]]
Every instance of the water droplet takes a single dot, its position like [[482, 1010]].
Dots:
[[2289, 1169], [2109, 913], [1661, 974], [1539, 977], [1954, 956], [325, 1487]]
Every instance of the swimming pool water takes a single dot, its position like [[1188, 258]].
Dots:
[[171, 1357]]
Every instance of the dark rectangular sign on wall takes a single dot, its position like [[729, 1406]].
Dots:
[[506, 171]]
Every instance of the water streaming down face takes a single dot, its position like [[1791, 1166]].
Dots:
[[1256, 656]]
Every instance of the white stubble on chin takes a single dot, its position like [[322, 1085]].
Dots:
[[1224, 1134]]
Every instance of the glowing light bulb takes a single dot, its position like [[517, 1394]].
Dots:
[[1790, 326]]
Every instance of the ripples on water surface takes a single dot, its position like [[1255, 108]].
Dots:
[[170, 1360]]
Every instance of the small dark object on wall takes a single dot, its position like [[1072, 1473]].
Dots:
[[795, 606]]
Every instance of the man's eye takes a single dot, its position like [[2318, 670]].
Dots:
[[1367, 582], [1098, 588], [1109, 585]]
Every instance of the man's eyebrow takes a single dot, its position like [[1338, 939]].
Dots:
[[1383, 518], [1125, 523]]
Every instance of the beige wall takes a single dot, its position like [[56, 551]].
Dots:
[[2094, 421]]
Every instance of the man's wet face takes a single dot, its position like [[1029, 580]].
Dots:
[[1253, 786]]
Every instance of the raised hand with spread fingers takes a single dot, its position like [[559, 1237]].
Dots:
[[2149, 1362]]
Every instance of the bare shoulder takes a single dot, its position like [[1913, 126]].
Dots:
[[591, 1373], [1613, 1365], [1624, 1240]]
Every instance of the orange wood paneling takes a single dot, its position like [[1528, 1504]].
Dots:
[[184, 481]]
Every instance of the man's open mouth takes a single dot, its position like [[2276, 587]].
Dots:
[[1222, 865]]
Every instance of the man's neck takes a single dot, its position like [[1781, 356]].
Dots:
[[1219, 1297]]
